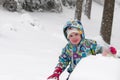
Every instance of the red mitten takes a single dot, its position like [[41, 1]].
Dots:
[[113, 50], [110, 51], [56, 74]]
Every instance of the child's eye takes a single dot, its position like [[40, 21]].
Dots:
[[76, 34], [71, 35]]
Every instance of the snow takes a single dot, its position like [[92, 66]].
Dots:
[[97, 68], [30, 44]]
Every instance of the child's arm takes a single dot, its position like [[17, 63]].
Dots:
[[109, 51], [104, 50], [64, 60], [95, 48]]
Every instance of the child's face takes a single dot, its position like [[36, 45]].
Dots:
[[74, 38]]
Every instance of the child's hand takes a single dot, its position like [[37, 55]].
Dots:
[[111, 51], [56, 74], [52, 79]]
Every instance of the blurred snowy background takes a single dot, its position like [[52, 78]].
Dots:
[[30, 43]]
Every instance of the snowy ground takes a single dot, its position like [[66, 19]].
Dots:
[[30, 44]]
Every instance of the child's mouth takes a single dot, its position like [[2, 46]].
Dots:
[[76, 40]]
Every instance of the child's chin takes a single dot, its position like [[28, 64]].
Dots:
[[75, 43]]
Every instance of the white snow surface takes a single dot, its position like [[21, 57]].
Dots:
[[30, 44]]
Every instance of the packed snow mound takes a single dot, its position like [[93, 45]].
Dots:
[[97, 68]]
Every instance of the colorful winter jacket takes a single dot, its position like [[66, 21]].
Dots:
[[72, 54]]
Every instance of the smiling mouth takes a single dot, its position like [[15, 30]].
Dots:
[[75, 40]]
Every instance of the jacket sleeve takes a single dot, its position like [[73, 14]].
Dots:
[[64, 59], [95, 48]]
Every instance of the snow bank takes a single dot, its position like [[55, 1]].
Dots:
[[97, 68]]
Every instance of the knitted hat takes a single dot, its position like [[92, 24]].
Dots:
[[73, 24], [71, 30]]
